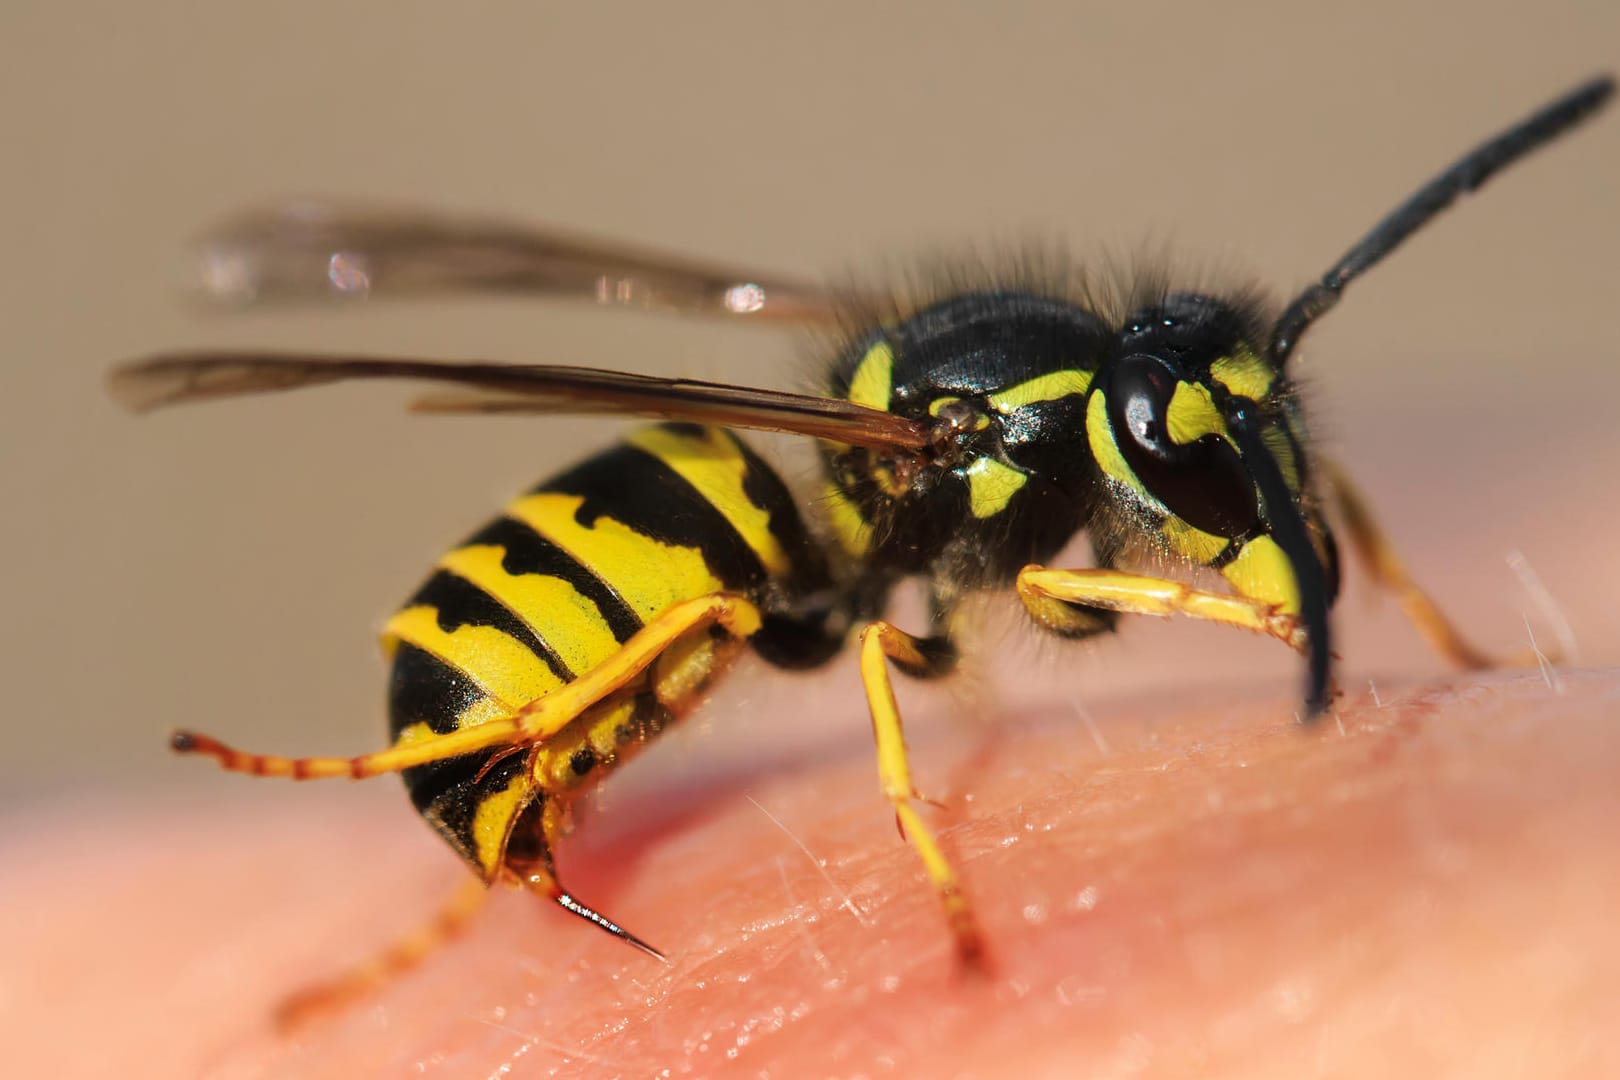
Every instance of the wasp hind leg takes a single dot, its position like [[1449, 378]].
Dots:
[[533, 723], [883, 644], [528, 861], [365, 979], [524, 854]]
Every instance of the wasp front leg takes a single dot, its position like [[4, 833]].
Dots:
[[1079, 602], [924, 658]]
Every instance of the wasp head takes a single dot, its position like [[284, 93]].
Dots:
[[1200, 440]]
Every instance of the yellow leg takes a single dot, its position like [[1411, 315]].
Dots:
[[533, 723], [880, 644], [399, 958], [1047, 594], [1375, 550]]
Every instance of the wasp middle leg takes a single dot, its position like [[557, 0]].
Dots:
[[882, 644]]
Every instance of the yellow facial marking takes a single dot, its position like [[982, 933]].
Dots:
[[1100, 434], [1048, 387], [1281, 449], [853, 533], [1244, 374], [874, 378], [1192, 415], [493, 821], [714, 465], [1262, 572], [1191, 543], [567, 621], [503, 668], [650, 575], [990, 485]]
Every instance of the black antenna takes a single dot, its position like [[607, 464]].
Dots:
[[1467, 174]]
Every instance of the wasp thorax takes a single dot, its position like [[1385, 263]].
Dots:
[[1000, 380]]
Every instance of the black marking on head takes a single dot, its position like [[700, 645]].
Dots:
[[1193, 330]]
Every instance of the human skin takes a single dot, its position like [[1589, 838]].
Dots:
[[1175, 881], [1427, 891]]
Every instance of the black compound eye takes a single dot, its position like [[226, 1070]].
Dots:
[[1140, 392], [1202, 482]]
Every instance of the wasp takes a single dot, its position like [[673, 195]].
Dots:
[[967, 435]]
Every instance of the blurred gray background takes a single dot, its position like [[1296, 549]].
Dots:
[[225, 567]]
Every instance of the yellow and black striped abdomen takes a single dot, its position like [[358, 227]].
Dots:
[[554, 587]]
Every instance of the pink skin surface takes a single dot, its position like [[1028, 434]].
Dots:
[[1423, 883], [1174, 879]]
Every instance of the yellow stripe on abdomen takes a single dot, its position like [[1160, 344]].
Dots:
[[503, 668], [713, 464], [492, 821], [565, 620], [651, 576]]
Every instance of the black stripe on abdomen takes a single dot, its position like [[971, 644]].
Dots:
[[425, 690], [460, 603], [527, 552], [640, 491]]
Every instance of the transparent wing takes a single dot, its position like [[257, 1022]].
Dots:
[[314, 251], [173, 378]]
